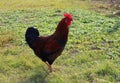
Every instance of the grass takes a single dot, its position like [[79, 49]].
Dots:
[[42, 4], [92, 54]]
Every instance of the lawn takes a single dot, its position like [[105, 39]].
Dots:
[[92, 54]]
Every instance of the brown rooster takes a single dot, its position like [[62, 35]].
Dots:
[[50, 47]]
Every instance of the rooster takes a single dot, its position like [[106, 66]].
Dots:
[[48, 48]]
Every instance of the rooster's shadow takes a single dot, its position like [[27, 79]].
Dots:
[[39, 76]]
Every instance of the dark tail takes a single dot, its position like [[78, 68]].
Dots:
[[31, 35]]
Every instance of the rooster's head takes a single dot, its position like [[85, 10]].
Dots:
[[68, 18]]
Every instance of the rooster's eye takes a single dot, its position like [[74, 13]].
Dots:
[[66, 21]]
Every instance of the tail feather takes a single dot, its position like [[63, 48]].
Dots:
[[31, 35]]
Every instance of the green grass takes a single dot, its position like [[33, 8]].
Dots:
[[92, 54]]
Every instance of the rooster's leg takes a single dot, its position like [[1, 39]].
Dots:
[[50, 67]]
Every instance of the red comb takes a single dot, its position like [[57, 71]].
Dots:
[[68, 15]]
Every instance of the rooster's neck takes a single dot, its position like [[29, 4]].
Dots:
[[61, 32]]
